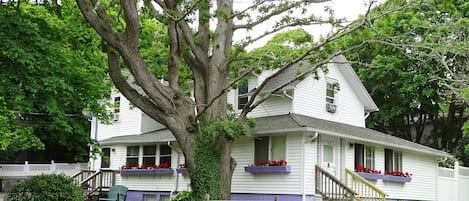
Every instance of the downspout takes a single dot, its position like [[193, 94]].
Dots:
[[177, 175], [95, 138]]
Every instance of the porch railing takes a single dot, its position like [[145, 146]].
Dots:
[[364, 189], [26, 169], [331, 188], [98, 181]]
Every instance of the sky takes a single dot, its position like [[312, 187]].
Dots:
[[349, 9]]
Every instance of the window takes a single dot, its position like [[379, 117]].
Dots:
[[242, 96], [269, 148], [392, 160], [331, 99], [364, 156], [165, 154], [132, 155], [149, 154], [328, 155], [152, 154], [105, 158], [117, 104]]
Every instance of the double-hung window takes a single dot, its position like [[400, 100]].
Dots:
[[331, 95], [117, 107], [148, 155], [242, 96], [269, 148], [133, 153], [392, 160], [364, 156]]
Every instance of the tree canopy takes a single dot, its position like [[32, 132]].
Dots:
[[52, 72], [414, 62]]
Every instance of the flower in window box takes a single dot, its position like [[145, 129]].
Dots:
[[164, 165], [182, 165], [270, 163], [126, 166], [398, 174], [360, 168]]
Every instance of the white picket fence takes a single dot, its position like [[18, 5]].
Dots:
[[26, 169], [453, 183]]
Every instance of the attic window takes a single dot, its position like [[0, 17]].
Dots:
[[331, 99], [242, 96]]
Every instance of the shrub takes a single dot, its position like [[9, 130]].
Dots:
[[50, 187]]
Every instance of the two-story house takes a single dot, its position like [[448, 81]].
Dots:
[[316, 126]]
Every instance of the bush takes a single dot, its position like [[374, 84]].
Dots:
[[46, 187]]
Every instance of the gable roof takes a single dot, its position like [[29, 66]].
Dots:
[[344, 67], [296, 122]]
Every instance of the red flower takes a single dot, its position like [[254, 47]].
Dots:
[[271, 163], [164, 165], [182, 165]]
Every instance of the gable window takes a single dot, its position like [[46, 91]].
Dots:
[[364, 156], [242, 96], [331, 97], [392, 160], [148, 155], [269, 148]]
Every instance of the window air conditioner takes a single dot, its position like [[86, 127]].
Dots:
[[331, 108]]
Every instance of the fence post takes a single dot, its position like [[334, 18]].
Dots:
[[52, 166], [456, 180], [26, 168]]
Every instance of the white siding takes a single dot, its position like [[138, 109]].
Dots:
[[310, 99], [149, 125], [273, 106], [128, 124], [422, 167], [310, 155], [149, 182], [288, 183]]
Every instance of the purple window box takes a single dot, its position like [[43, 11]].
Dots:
[[268, 169], [396, 178], [370, 176], [182, 170], [145, 171]]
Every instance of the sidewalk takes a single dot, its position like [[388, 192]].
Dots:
[[1, 196]]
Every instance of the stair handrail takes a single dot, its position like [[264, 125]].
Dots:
[[349, 191], [93, 180], [355, 176]]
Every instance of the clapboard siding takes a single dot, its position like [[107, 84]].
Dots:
[[128, 124], [309, 164], [310, 99], [244, 182], [149, 182], [423, 168], [149, 125], [273, 106]]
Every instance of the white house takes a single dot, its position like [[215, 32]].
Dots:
[[316, 125]]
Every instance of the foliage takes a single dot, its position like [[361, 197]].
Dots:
[[51, 187], [50, 75], [412, 62], [182, 196]]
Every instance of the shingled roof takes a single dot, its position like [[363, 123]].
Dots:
[[296, 122], [163, 135]]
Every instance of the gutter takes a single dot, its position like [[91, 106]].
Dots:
[[177, 175]]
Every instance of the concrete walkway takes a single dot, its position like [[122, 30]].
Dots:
[[1, 196]]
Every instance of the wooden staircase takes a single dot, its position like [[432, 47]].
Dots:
[[94, 182], [355, 188]]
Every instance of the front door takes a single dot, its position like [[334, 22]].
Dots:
[[330, 154]]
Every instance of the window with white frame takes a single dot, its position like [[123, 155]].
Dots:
[[364, 156], [392, 160], [148, 155], [132, 155], [269, 148], [117, 107], [332, 87], [242, 96]]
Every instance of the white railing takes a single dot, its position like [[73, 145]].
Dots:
[[26, 169], [453, 182]]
